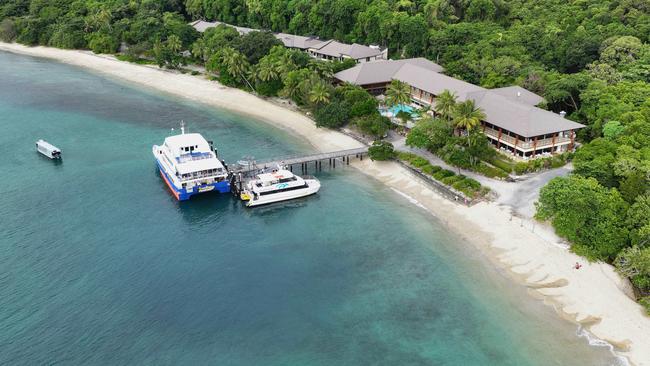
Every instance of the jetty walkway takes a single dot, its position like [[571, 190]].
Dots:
[[303, 160]]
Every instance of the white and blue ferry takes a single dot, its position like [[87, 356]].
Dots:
[[189, 165]]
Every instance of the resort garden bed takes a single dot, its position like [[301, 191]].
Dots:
[[457, 183], [509, 166]]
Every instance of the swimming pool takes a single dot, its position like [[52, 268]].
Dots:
[[394, 110]]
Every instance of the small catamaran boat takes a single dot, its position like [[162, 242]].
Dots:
[[279, 185], [189, 165]]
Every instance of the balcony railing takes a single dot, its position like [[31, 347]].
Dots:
[[424, 100], [527, 145]]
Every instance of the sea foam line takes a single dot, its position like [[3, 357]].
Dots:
[[594, 341], [410, 199], [581, 332]]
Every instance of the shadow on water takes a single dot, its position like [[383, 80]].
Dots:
[[276, 207], [58, 163]]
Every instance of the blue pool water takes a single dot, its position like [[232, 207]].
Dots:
[[401, 108], [394, 110], [100, 265]]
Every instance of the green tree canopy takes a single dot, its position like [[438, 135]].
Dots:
[[591, 216]]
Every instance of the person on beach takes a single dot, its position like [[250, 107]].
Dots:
[[577, 265]]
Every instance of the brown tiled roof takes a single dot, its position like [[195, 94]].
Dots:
[[337, 49], [382, 71], [510, 108], [523, 119], [294, 41]]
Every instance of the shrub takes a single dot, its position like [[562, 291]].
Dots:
[[502, 164], [404, 156], [428, 169], [374, 125], [472, 183], [521, 168], [102, 43], [7, 30], [462, 186], [443, 173], [645, 302], [332, 115], [452, 179], [268, 88], [419, 162], [381, 150], [490, 172], [431, 169], [195, 72]]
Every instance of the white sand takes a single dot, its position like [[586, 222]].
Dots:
[[594, 295], [198, 89]]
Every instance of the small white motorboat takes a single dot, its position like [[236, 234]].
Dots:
[[48, 149]]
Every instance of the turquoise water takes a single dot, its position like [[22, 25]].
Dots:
[[101, 266], [394, 110]]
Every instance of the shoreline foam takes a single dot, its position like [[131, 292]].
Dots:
[[593, 297]]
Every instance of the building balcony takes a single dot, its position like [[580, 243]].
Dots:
[[423, 100], [526, 145]]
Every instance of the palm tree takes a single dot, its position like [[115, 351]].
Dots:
[[422, 111], [174, 44], [398, 92], [100, 19], [236, 64], [322, 68], [446, 104], [467, 116], [319, 94], [284, 65], [199, 49], [266, 71], [292, 87]]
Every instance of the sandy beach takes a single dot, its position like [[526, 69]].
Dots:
[[593, 296]]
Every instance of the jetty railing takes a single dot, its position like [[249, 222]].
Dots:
[[302, 159]]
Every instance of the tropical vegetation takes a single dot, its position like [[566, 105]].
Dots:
[[453, 135], [381, 150], [590, 59], [469, 187]]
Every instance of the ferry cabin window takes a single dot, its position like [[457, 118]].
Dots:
[[284, 189], [284, 180]]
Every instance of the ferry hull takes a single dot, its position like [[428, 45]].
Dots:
[[313, 188], [183, 194]]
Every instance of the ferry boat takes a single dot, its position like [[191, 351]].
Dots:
[[279, 185], [189, 165]]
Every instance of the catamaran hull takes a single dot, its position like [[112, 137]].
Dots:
[[313, 187], [184, 194]]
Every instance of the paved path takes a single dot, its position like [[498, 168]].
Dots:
[[520, 195]]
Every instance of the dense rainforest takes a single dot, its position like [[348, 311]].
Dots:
[[590, 58]]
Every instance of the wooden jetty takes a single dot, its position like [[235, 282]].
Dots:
[[238, 173], [304, 160]]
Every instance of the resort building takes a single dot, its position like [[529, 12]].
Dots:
[[317, 48], [300, 42], [513, 123], [201, 26], [375, 76], [333, 50]]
